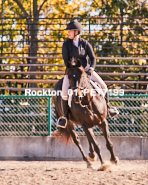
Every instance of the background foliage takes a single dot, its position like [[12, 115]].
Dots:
[[36, 28]]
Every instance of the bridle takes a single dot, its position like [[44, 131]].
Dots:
[[82, 90], [88, 106]]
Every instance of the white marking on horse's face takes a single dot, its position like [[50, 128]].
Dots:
[[74, 75]]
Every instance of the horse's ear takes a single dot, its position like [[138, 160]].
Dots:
[[79, 63], [68, 64]]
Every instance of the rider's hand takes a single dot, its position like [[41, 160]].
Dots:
[[89, 72]]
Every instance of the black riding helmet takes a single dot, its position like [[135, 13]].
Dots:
[[74, 25]]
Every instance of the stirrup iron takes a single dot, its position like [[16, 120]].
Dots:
[[62, 117]]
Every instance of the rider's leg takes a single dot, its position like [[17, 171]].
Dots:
[[65, 86], [111, 112], [95, 77]]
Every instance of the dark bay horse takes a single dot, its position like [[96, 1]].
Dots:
[[86, 110]]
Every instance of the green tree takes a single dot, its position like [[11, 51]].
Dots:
[[124, 35], [36, 30], [122, 32]]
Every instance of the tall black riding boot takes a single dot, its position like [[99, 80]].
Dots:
[[111, 111], [62, 121]]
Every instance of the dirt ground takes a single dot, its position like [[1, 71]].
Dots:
[[72, 173]]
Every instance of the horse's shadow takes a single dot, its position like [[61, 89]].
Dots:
[[87, 111]]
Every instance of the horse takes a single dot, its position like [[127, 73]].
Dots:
[[87, 111]]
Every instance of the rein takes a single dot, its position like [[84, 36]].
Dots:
[[80, 102], [82, 90]]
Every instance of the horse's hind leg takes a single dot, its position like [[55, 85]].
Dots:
[[93, 141], [109, 144], [77, 142]]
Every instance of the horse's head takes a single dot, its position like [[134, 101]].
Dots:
[[77, 78]]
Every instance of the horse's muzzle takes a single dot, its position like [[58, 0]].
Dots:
[[76, 99], [78, 96]]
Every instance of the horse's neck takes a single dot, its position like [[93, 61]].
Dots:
[[92, 92], [87, 98]]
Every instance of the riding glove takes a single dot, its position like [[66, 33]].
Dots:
[[89, 72]]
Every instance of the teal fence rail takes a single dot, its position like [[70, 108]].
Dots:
[[35, 116]]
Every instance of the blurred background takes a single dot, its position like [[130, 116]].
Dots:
[[31, 38], [32, 34]]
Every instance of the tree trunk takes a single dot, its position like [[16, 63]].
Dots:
[[32, 31], [33, 47]]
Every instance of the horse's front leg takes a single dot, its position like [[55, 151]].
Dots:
[[109, 144], [77, 142], [93, 141]]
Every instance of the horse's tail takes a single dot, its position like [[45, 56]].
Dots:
[[63, 135]]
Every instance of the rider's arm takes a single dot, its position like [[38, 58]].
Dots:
[[91, 56], [65, 53]]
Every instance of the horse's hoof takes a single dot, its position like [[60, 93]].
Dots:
[[93, 158], [104, 167], [115, 161], [89, 166]]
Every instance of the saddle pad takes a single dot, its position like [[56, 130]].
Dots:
[[98, 88]]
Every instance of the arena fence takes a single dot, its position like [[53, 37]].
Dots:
[[35, 116]]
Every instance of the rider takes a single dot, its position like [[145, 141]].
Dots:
[[77, 47]]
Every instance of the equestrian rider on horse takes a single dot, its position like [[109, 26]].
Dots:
[[80, 48]]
